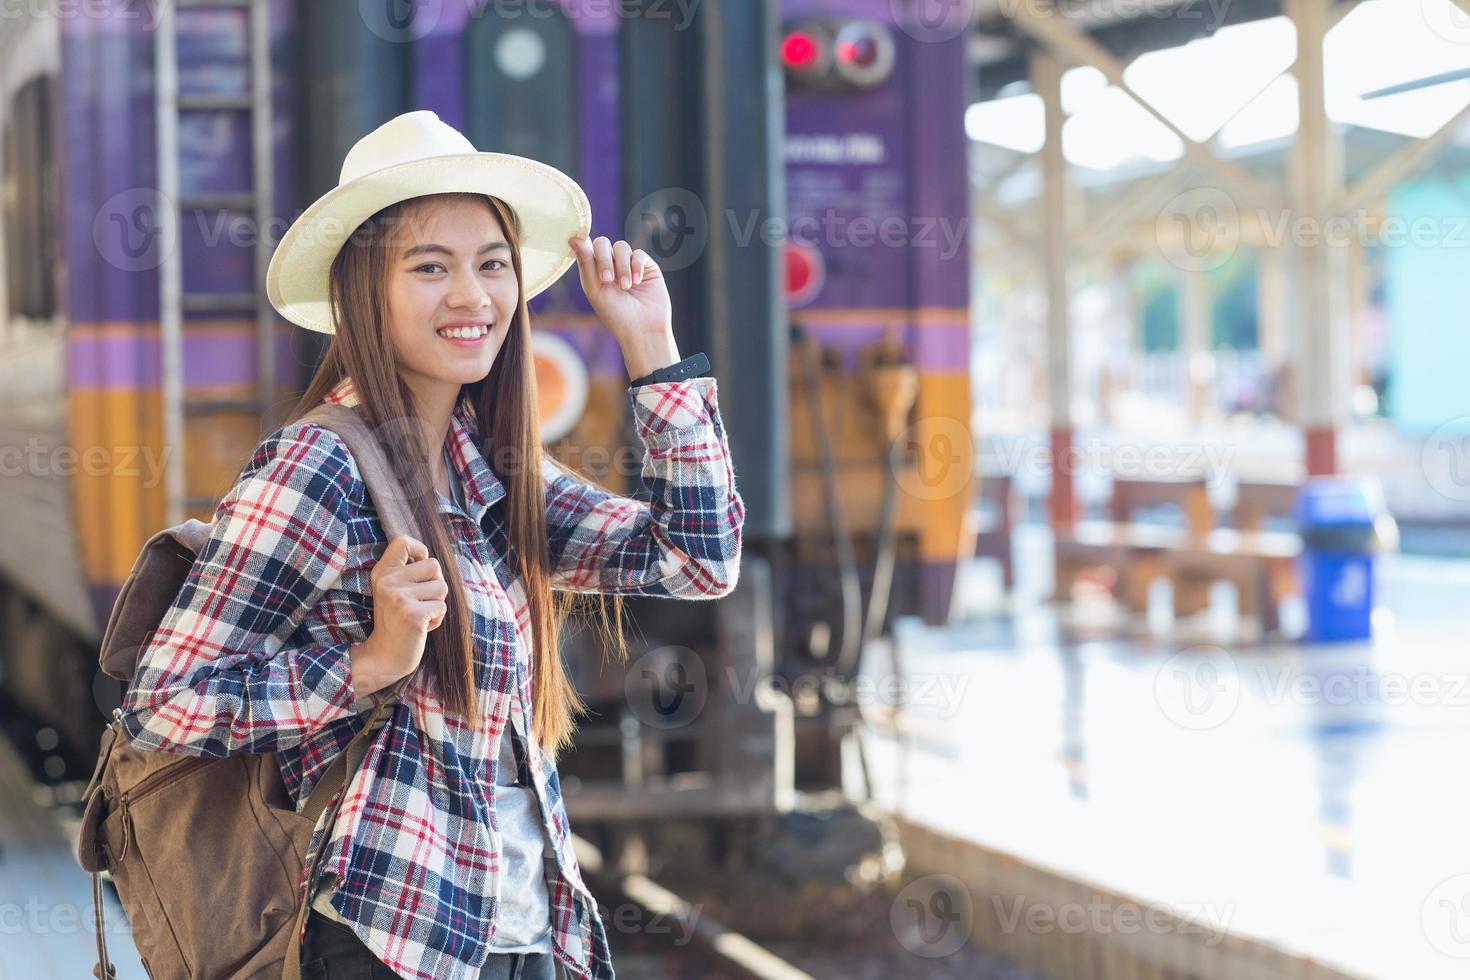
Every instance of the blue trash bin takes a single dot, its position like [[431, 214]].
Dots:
[[1338, 523]]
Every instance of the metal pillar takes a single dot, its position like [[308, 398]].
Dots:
[[1196, 320], [1316, 179], [1046, 81]]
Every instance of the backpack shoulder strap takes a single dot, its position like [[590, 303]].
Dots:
[[389, 496]]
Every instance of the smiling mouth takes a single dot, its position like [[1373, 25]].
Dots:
[[464, 333]]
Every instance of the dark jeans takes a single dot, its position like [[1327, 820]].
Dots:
[[332, 951]]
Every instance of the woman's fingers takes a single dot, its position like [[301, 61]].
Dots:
[[405, 550], [601, 261], [586, 262], [622, 254], [602, 248]]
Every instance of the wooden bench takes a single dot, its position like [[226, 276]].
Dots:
[[1257, 501], [1187, 493], [1134, 551], [1260, 564], [1131, 548]]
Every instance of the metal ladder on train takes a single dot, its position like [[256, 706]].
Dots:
[[256, 203]]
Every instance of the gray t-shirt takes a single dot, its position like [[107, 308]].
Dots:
[[523, 920]]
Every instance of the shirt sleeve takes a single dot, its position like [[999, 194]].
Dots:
[[216, 677], [685, 541]]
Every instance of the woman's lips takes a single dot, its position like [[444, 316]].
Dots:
[[481, 336]]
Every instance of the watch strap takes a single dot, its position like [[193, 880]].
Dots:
[[690, 367]]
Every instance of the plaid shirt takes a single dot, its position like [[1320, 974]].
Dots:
[[253, 657]]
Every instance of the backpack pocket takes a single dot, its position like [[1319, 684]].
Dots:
[[209, 866]]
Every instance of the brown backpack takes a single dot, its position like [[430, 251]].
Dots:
[[207, 853]]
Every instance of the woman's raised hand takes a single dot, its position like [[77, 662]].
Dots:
[[625, 287]]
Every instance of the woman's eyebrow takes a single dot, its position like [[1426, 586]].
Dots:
[[431, 248]]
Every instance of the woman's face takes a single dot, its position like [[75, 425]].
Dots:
[[450, 271]]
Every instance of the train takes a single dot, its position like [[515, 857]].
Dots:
[[803, 185]]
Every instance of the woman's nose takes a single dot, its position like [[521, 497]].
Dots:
[[465, 292]]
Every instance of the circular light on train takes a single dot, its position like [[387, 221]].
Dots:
[[806, 274], [862, 52], [865, 53], [806, 51], [800, 51], [562, 384], [520, 53]]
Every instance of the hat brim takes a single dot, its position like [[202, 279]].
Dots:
[[552, 208]]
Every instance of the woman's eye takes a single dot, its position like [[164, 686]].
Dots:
[[427, 266]]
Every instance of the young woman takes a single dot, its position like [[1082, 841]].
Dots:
[[451, 857]]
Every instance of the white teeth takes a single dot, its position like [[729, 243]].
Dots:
[[464, 333]]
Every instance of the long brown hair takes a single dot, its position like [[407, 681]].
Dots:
[[506, 418]]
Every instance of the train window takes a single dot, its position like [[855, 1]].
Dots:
[[31, 208]]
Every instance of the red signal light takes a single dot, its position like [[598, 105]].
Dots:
[[800, 50], [837, 53], [806, 274]]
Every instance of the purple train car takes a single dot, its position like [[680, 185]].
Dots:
[[803, 183]]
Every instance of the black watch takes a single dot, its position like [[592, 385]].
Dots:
[[690, 367]]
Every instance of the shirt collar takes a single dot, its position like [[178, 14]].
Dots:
[[482, 487]]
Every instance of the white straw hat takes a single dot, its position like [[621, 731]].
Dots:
[[412, 155]]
